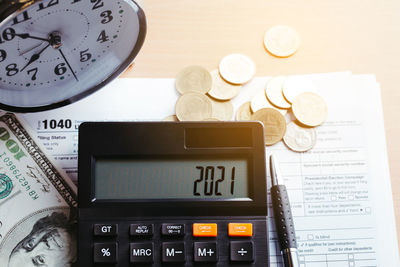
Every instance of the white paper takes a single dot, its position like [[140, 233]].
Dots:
[[339, 191]]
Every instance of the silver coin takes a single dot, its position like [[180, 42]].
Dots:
[[298, 138]]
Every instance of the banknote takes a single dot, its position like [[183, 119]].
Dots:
[[37, 203]]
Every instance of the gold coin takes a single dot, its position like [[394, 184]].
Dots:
[[274, 124], [237, 68], [260, 101], [296, 85], [310, 109], [281, 41], [171, 118], [299, 139], [221, 110], [273, 91], [222, 90], [193, 106], [244, 112], [193, 78]]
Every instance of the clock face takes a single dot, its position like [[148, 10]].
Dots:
[[57, 51]]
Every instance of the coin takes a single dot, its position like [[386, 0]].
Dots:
[[274, 124], [171, 118], [310, 109], [221, 110], [244, 112], [299, 139], [222, 90], [211, 119], [237, 68], [193, 106], [193, 78], [273, 91], [295, 85], [260, 101], [281, 41]]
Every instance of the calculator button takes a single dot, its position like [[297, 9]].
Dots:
[[105, 230], [204, 229], [241, 251], [205, 252], [141, 229], [105, 253], [173, 229], [141, 252], [173, 252], [240, 229]]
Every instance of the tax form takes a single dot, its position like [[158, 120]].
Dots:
[[339, 191]]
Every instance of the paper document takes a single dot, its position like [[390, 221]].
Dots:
[[339, 191]]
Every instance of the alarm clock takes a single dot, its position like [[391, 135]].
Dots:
[[55, 52]]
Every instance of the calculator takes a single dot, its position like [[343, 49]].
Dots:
[[172, 194]]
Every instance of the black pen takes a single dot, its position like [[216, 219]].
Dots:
[[283, 216]]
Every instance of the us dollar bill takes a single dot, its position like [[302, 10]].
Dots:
[[38, 203]]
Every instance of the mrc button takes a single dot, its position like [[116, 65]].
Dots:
[[173, 229], [141, 252], [105, 230], [141, 230]]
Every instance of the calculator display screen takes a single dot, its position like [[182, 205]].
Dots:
[[171, 179]]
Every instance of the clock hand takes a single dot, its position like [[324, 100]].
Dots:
[[35, 57], [27, 35], [29, 49], [66, 61]]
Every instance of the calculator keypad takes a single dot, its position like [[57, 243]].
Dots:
[[224, 242]]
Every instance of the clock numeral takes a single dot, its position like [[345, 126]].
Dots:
[[60, 69], [97, 4], [24, 18], [12, 69], [85, 56], [8, 35], [34, 70], [103, 37], [75, 1], [107, 16], [3, 55], [49, 4]]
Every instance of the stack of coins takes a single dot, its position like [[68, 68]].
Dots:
[[206, 96]]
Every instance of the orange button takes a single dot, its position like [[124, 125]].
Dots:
[[204, 229], [240, 229]]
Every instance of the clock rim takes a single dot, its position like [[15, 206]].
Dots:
[[122, 67]]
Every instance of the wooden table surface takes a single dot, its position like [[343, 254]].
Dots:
[[362, 36]]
